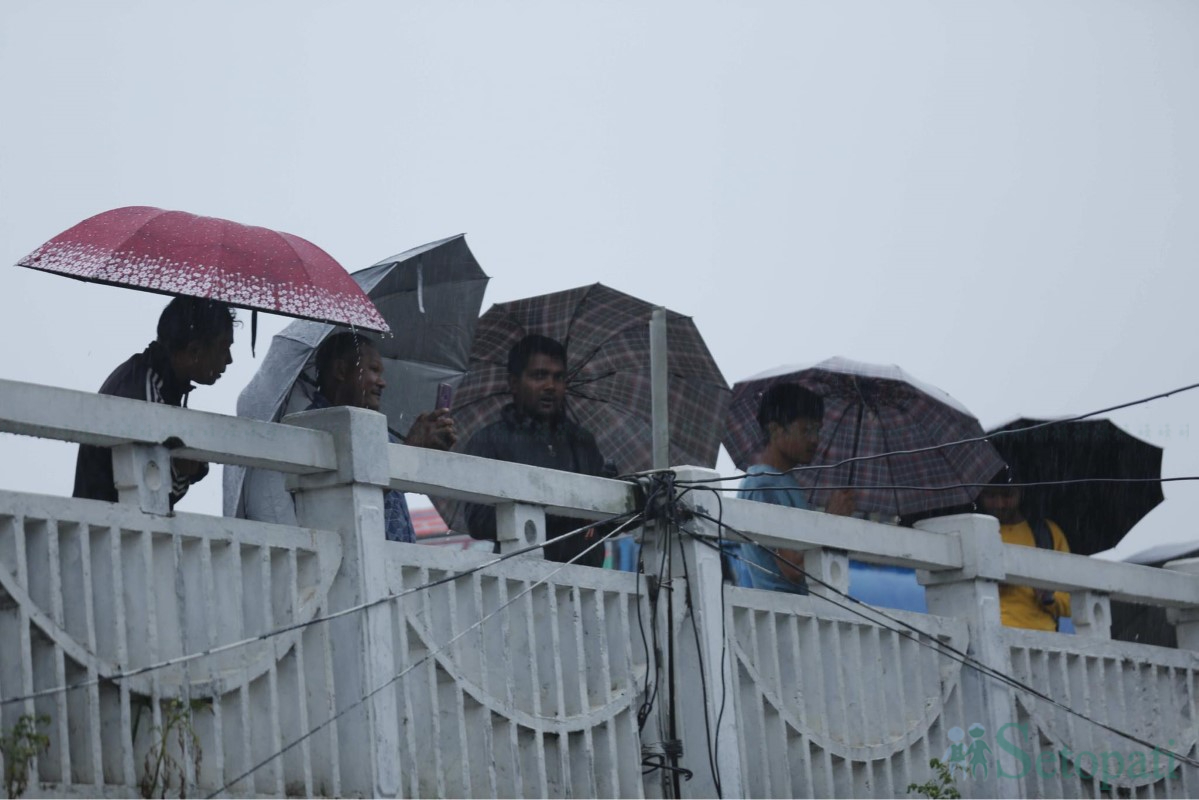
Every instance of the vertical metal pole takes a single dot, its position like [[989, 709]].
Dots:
[[659, 377]]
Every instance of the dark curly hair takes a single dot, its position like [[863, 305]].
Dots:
[[193, 319]]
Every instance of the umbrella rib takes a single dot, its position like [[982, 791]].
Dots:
[[570, 326], [131, 236], [820, 473], [890, 470], [584, 381]]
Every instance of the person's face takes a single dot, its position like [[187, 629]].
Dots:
[[796, 441], [540, 391], [1001, 502], [361, 379], [207, 359]]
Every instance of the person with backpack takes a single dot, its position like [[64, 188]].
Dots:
[[1023, 606]]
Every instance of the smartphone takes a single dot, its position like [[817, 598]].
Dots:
[[445, 395]]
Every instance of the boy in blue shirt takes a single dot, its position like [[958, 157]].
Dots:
[[790, 417]]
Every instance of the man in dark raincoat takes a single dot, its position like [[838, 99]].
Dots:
[[533, 429], [195, 337]]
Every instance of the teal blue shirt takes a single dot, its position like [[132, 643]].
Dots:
[[752, 565]]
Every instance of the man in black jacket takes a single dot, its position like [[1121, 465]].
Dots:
[[193, 346], [533, 429]]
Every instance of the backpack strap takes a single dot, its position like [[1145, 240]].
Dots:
[[1043, 536], [1041, 533]]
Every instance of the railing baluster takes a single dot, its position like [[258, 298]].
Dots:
[[759, 710], [551, 590], [1188, 774], [456, 655], [776, 742], [515, 763], [266, 598], [430, 672], [610, 784], [152, 652], [814, 645], [580, 675], [24, 632], [299, 707], [534, 672], [182, 626], [483, 651], [249, 751], [887, 699], [61, 718], [93, 715], [124, 736], [630, 733], [403, 661], [213, 766], [896, 644], [329, 706], [806, 787]]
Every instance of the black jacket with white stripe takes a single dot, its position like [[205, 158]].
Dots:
[[145, 376]]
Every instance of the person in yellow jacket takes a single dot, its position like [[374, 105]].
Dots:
[[1023, 606]]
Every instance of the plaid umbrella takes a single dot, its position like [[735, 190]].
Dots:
[[871, 409], [606, 335], [1094, 516]]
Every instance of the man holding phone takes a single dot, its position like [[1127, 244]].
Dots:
[[349, 372]]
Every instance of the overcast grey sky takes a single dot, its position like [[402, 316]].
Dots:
[[999, 197]]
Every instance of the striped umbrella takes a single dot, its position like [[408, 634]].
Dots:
[[870, 409], [606, 335]]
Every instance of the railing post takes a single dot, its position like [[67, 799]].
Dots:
[[1091, 613], [831, 567], [972, 593], [350, 502], [142, 474], [519, 525]]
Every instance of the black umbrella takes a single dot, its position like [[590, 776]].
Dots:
[[1094, 516]]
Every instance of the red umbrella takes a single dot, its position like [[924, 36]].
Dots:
[[173, 252]]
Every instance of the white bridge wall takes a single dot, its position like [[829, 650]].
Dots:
[[525, 678]]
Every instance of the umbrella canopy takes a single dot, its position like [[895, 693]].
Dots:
[[173, 252], [430, 295], [606, 335], [1094, 516], [871, 409]]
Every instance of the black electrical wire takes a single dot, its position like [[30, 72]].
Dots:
[[958, 442], [941, 487], [647, 703], [366, 697]]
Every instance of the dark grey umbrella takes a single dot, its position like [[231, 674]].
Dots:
[[430, 296]]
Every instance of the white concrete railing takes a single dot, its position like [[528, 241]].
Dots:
[[525, 677]]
